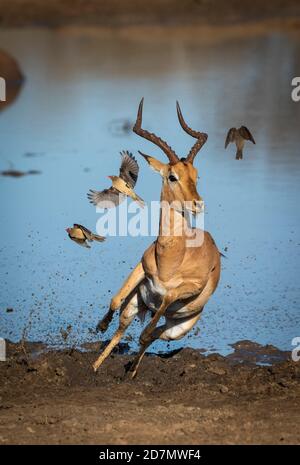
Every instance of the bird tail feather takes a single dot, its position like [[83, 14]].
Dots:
[[95, 237], [239, 154], [84, 244], [140, 201]]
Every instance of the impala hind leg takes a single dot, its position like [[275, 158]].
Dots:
[[170, 331], [135, 277], [127, 315], [176, 328]]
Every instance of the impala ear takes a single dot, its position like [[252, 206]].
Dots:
[[156, 165]]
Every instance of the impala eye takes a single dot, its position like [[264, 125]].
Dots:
[[172, 178]]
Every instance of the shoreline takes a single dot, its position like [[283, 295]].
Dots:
[[243, 351]]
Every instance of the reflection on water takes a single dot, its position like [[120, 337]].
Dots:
[[77, 83], [18, 174]]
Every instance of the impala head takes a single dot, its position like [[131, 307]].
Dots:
[[179, 175]]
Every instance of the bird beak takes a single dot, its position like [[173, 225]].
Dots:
[[109, 177]]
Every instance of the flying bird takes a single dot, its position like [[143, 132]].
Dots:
[[82, 235], [239, 136], [122, 185]]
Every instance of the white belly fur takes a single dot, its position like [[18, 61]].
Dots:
[[152, 293]]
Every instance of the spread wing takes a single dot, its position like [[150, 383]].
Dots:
[[88, 234], [246, 134], [129, 169], [108, 198], [230, 136]]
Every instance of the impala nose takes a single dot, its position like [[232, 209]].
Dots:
[[198, 205]]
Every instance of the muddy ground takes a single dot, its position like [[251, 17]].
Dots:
[[186, 397], [55, 13]]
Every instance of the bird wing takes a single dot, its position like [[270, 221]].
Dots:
[[129, 169], [230, 136], [79, 241], [246, 134], [87, 233], [108, 198]]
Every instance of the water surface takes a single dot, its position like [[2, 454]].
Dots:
[[63, 124]]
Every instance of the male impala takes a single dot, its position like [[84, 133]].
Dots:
[[175, 277]]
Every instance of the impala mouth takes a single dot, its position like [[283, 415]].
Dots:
[[194, 212], [196, 207]]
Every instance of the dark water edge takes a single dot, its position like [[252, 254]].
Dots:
[[244, 352]]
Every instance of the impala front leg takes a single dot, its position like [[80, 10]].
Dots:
[[135, 277], [182, 292]]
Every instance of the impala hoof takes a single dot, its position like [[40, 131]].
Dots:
[[133, 374], [130, 370], [104, 323]]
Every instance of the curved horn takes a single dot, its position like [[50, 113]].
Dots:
[[137, 128], [201, 136]]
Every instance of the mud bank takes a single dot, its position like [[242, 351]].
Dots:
[[55, 397], [132, 12]]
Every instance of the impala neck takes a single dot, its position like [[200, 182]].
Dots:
[[171, 241]]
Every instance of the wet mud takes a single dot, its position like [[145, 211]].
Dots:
[[185, 397]]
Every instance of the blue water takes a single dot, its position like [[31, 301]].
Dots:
[[77, 84]]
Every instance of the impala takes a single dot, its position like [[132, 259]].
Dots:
[[174, 278]]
